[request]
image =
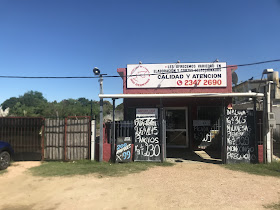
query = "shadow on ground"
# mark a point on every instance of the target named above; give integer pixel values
(184, 155)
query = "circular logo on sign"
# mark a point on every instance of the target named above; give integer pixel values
(179, 82)
(140, 76)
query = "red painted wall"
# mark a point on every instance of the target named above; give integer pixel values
(106, 147)
(228, 89)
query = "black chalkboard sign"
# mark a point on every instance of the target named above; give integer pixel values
(241, 141)
(123, 150)
(147, 142)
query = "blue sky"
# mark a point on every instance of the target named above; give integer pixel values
(70, 38)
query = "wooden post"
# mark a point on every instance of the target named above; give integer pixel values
(65, 138)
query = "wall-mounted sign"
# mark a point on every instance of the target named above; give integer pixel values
(201, 123)
(147, 113)
(123, 153)
(177, 75)
(241, 142)
(147, 142)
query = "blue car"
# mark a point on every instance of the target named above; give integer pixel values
(6, 152)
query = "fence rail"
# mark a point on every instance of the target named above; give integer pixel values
(67, 139)
(54, 139)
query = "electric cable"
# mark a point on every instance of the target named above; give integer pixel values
(115, 76)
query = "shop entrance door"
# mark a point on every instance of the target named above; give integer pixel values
(176, 127)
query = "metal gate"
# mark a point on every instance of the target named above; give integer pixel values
(122, 129)
(67, 139)
(25, 136)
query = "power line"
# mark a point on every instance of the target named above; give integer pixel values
(257, 63)
(23, 77)
(229, 66)
(114, 76)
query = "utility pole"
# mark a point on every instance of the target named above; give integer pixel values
(101, 121)
(96, 71)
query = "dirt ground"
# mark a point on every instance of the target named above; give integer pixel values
(188, 185)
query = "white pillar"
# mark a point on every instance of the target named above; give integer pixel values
(92, 154)
(268, 135)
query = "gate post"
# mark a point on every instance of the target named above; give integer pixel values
(114, 134)
(43, 139)
(255, 129)
(65, 138)
(92, 155)
(224, 134)
(161, 130)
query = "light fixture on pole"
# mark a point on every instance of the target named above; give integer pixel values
(96, 72)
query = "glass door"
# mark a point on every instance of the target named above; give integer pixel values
(176, 127)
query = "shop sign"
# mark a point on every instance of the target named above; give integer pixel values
(201, 123)
(147, 113)
(241, 144)
(123, 150)
(146, 131)
(177, 75)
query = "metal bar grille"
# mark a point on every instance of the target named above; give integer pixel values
(123, 129)
(24, 134)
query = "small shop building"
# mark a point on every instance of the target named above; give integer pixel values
(182, 111)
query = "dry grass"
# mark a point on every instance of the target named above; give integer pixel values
(91, 167)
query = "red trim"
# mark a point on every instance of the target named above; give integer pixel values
(260, 153)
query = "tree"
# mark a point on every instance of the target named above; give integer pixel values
(9, 103)
(84, 101)
(33, 104)
(119, 107)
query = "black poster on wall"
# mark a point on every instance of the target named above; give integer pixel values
(241, 141)
(147, 142)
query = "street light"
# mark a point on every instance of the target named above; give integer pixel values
(96, 72)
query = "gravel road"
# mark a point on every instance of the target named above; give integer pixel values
(190, 185)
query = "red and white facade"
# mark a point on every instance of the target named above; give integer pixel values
(190, 102)
(181, 114)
